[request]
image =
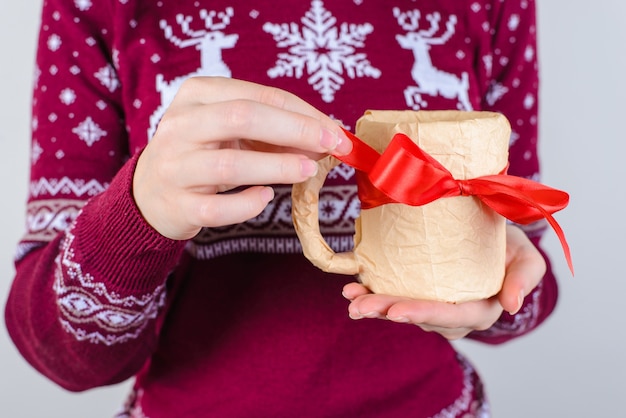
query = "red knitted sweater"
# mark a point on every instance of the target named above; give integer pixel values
(236, 322)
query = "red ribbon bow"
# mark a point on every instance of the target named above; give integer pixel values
(382, 178)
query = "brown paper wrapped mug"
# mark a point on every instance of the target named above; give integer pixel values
(452, 249)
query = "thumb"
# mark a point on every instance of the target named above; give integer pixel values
(512, 295)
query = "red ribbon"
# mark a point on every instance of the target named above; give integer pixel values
(404, 173)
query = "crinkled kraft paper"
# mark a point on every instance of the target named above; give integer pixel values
(452, 249)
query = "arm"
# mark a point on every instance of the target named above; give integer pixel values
(90, 275)
(513, 90)
(106, 229)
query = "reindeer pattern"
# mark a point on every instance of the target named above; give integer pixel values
(212, 40)
(209, 41)
(430, 80)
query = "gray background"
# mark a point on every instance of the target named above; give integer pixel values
(574, 365)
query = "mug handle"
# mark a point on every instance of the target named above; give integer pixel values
(305, 214)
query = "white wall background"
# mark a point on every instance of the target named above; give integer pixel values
(574, 366)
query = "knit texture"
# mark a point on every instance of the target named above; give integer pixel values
(236, 322)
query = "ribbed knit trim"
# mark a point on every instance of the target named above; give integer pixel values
(116, 245)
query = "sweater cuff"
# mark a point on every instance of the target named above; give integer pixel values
(116, 244)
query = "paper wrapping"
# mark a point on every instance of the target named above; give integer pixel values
(452, 249)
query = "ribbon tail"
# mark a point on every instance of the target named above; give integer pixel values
(561, 235)
(507, 192)
(490, 198)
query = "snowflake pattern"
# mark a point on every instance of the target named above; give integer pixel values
(495, 93)
(68, 96)
(529, 101)
(54, 42)
(83, 5)
(36, 151)
(327, 210)
(313, 46)
(529, 53)
(514, 21)
(89, 131)
(322, 49)
(108, 78)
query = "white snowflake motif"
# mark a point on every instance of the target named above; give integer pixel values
(321, 48)
(488, 62)
(108, 78)
(529, 53)
(54, 42)
(496, 92)
(68, 96)
(82, 5)
(36, 76)
(36, 151)
(513, 22)
(529, 101)
(89, 131)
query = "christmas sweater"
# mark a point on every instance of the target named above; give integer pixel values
(236, 322)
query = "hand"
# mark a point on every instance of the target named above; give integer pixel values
(219, 134)
(525, 267)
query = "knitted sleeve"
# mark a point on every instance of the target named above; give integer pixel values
(91, 275)
(512, 88)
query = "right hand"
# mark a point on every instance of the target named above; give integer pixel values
(219, 134)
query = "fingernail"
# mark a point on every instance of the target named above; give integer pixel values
(373, 314)
(267, 194)
(355, 315)
(520, 302)
(344, 145)
(308, 168)
(329, 139)
(400, 319)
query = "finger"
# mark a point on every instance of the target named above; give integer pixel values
(215, 210)
(212, 124)
(525, 269)
(353, 290)
(239, 167)
(474, 315)
(371, 306)
(239, 101)
(208, 90)
(519, 281)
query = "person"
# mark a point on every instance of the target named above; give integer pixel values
(159, 245)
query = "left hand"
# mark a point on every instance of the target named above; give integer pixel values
(525, 267)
